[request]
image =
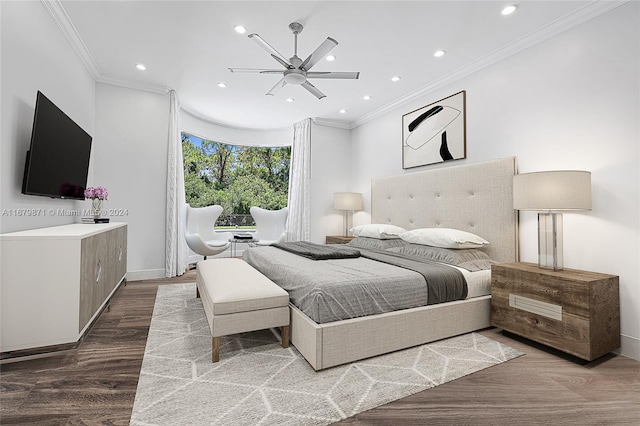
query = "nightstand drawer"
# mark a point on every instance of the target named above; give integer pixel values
(337, 239)
(573, 311)
(534, 306)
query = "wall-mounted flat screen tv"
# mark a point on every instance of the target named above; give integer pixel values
(58, 159)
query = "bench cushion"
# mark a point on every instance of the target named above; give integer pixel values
(235, 286)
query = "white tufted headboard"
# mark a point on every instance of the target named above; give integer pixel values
(476, 197)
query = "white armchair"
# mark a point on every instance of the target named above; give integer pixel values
(199, 232)
(271, 225)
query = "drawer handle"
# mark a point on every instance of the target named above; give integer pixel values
(98, 270)
(119, 253)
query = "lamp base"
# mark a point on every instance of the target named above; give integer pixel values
(550, 241)
(347, 221)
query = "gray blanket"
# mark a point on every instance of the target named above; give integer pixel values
(444, 284)
(318, 251)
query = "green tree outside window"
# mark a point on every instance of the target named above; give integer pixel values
(235, 177)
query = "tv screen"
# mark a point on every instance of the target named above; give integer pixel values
(58, 160)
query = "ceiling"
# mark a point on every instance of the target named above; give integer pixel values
(188, 46)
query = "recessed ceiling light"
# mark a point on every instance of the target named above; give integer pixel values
(439, 53)
(290, 99)
(141, 67)
(366, 97)
(342, 111)
(221, 84)
(508, 10)
(330, 58)
(395, 78)
(240, 29)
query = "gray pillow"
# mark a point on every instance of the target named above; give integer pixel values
(469, 259)
(375, 243)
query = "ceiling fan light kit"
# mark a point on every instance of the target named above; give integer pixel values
(296, 70)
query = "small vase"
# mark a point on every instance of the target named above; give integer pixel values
(96, 204)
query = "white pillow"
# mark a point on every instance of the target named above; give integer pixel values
(378, 230)
(443, 237)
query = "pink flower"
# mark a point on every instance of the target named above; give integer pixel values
(96, 192)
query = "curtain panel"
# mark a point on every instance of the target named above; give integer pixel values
(298, 223)
(176, 254)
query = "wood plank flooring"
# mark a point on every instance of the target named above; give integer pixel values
(96, 384)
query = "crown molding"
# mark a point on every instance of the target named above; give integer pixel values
(138, 85)
(60, 17)
(560, 25)
(331, 123)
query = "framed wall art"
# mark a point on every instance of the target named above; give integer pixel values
(435, 133)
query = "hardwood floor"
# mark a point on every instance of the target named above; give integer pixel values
(96, 384)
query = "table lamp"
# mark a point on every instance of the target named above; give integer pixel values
(550, 192)
(349, 202)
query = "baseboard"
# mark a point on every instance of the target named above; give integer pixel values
(148, 274)
(227, 253)
(154, 274)
(629, 347)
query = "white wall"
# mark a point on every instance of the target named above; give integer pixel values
(571, 102)
(130, 150)
(330, 172)
(35, 56)
(129, 129)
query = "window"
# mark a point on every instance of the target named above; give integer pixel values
(235, 177)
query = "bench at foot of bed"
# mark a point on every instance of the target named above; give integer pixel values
(237, 299)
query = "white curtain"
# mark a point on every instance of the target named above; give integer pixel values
(175, 245)
(298, 223)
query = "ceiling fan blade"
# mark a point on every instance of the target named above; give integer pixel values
(273, 52)
(320, 52)
(320, 74)
(255, 70)
(314, 91)
(279, 85)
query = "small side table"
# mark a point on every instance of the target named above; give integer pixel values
(337, 239)
(234, 241)
(577, 312)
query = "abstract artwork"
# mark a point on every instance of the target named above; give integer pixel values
(435, 133)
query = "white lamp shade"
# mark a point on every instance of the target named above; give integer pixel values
(552, 191)
(347, 201)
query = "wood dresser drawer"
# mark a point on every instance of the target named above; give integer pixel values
(577, 312)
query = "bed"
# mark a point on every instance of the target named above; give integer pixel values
(476, 198)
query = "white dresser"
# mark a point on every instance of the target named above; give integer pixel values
(54, 281)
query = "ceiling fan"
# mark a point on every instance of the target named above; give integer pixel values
(296, 70)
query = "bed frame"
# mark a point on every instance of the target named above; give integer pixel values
(472, 197)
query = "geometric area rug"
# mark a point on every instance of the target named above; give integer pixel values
(258, 382)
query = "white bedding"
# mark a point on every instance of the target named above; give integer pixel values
(478, 282)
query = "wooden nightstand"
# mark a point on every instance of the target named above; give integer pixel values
(577, 312)
(337, 239)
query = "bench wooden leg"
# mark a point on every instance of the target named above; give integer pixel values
(215, 349)
(285, 336)
(197, 293)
